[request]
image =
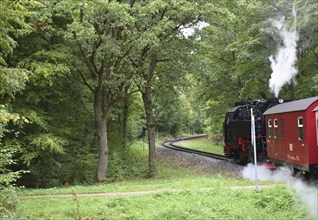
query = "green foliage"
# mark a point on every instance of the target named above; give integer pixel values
(12, 81)
(173, 112)
(7, 178)
(126, 162)
(55, 55)
(136, 123)
(57, 130)
(13, 25)
(233, 55)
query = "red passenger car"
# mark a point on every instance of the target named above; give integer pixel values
(292, 134)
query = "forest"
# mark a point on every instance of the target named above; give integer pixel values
(81, 80)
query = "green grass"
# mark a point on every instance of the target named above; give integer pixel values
(180, 197)
(204, 145)
(277, 203)
(168, 177)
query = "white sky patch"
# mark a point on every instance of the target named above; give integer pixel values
(189, 31)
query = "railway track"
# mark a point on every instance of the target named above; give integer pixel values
(174, 146)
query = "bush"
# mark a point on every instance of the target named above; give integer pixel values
(127, 162)
(7, 178)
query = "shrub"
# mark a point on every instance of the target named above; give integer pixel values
(7, 178)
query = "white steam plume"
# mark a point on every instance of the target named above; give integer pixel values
(307, 194)
(283, 64)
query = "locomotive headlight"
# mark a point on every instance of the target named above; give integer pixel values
(280, 100)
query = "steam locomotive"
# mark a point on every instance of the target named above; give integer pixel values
(286, 133)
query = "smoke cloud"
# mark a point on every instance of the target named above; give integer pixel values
(307, 194)
(283, 64)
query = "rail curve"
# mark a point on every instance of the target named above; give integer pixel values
(172, 144)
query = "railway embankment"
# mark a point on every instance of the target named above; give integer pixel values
(198, 162)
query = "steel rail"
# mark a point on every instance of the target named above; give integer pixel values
(172, 145)
(187, 138)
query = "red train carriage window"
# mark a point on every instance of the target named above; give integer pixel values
(300, 129)
(269, 128)
(275, 128)
(282, 127)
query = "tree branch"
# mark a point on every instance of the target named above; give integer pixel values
(85, 81)
(92, 70)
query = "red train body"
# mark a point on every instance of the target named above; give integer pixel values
(291, 135)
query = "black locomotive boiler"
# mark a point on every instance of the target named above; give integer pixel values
(237, 130)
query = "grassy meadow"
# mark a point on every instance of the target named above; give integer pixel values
(277, 203)
(204, 145)
(179, 193)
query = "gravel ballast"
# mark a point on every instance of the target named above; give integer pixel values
(198, 162)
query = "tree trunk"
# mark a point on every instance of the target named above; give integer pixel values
(151, 130)
(103, 151)
(147, 99)
(101, 124)
(125, 118)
